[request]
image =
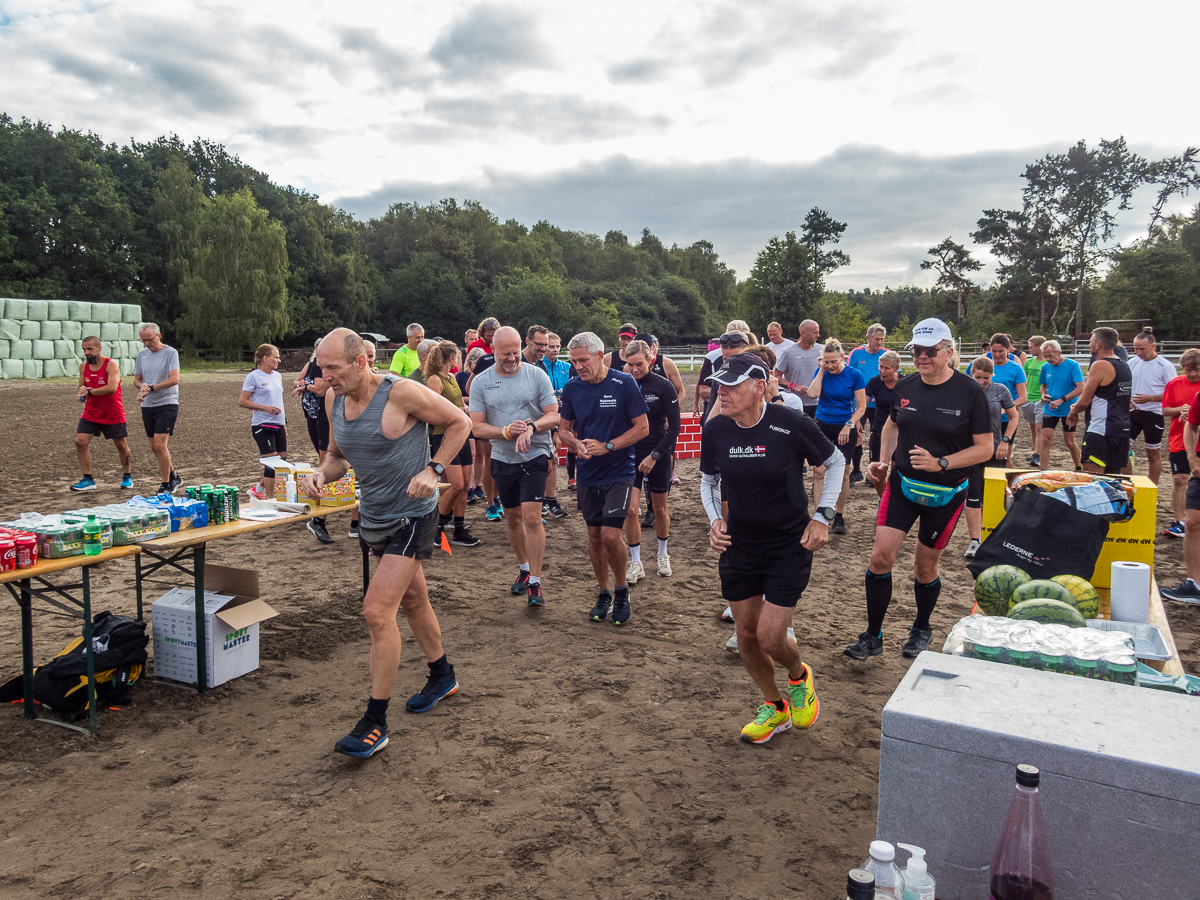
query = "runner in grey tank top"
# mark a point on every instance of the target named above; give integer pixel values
(398, 516)
(382, 467)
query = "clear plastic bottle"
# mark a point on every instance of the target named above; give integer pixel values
(881, 864)
(918, 883)
(860, 885)
(1021, 867)
(92, 537)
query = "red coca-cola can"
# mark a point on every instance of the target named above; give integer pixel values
(27, 556)
(8, 555)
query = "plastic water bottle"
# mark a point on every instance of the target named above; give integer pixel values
(92, 531)
(860, 885)
(881, 864)
(1021, 867)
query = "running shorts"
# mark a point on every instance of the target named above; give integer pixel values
(1051, 421)
(1193, 494)
(1179, 463)
(937, 522)
(1110, 453)
(1032, 412)
(606, 505)
(271, 439)
(160, 419)
(523, 482)
(318, 433)
(1142, 421)
(412, 538)
(659, 479)
(779, 578)
(833, 430)
(464, 457)
(112, 432)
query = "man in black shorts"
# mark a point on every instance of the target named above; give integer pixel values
(103, 413)
(938, 429)
(156, 377)
(758, 450)
(513, 405)
(1106, 397)
(603, 416)
(378, 426)
(651, 458)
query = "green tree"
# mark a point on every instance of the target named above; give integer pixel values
(1159, 279)
(783, 285)
(1030, 271)
(235, 295)
(820, 229)
(1174, 175)
(952, 262)
(525, 298)
(1080, 192)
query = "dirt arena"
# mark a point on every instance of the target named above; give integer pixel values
(577, 759)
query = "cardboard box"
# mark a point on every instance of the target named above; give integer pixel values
(232, 612)
(1120, 776)
(1130, 541)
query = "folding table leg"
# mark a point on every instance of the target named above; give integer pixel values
(89, 650)
(201, 638)
(27, 646)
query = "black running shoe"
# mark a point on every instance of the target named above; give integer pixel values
(856, 478)
(521, 585)
(620, 609)
(366, 739)
(353, 532)
(866, 645)
(839, 524)
(317, 527)
(535, 595)
(174, 483)
(648, 519)
(603, 604)
(555, 509)
(464, 538)
(918, 640)
(436, 687)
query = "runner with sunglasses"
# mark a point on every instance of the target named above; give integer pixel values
(938, 429)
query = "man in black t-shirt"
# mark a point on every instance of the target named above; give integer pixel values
(938, 429)
(766, 539)
(651, 458)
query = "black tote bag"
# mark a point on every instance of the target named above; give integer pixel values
(1044, 537)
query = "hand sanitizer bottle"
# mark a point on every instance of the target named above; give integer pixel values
(918, 883)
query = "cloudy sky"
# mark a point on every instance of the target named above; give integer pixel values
(723, 121)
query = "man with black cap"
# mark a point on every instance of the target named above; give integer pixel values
(616, 359)
(757, 449)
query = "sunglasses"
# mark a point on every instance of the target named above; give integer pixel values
(918, 350)
(731, 340)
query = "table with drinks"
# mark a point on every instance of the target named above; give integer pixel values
(185, 551)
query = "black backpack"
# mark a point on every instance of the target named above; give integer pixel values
(120, 659)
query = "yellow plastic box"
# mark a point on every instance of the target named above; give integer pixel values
(1131, 541)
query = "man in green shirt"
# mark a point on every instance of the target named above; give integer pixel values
(405, 360)
(1031, 412)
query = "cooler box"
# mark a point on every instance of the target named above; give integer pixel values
(1130, 541)
(1120, 777)
(232, 612)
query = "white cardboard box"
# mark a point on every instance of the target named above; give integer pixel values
(232, 612)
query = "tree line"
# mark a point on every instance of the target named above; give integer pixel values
(223, 258)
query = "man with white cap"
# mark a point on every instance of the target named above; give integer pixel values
(939, 428)
(757, 449)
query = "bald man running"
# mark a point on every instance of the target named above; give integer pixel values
(378, 426)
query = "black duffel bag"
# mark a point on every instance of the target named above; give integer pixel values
(1044, 537)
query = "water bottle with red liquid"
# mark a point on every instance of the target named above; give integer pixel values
(1021, 867)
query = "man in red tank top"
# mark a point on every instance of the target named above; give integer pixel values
(103, 413)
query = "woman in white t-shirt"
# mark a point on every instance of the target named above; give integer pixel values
(262, 392)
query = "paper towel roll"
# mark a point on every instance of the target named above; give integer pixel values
(1130, 592)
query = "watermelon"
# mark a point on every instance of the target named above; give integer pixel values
(995, 587)
(1048, 612)
(1087, 600)
(1041, 589)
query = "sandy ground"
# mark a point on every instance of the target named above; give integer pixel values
(577, 759)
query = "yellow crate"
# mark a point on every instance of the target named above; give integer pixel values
(1131, 541)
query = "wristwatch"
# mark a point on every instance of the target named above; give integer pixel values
(609, 447)
(532, 425)
(655, 455)
(825, 514)
(943, 463)
(1006, 439)
(438, 468)
(776, 399)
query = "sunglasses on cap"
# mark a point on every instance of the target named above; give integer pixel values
(918, 350)
(732, 340)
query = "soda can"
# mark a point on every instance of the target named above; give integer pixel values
(8, 555)
(237, 503)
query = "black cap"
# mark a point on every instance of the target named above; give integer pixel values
(645, 336)
(1028, 776)
(860, 885)
(738, 368)
(484, 363)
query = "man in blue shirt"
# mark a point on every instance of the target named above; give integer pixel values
(1062, 381)
(603, 417)
(866, 360)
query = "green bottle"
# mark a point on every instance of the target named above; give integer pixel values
(92, 537)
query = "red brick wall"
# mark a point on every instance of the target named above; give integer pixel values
(687, 447)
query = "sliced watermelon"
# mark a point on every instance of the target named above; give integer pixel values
(1048, 612)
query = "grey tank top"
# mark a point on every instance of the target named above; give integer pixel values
(382, 466)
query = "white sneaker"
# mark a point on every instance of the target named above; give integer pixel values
(635, 572)
(971, 548)
(727, 616)
(664, 564)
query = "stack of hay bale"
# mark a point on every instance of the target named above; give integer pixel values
(40, 338)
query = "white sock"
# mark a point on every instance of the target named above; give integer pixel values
(535, 579)
(635, 551)
(662, 546)
(525, 568)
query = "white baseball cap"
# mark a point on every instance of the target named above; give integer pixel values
(929, 332)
